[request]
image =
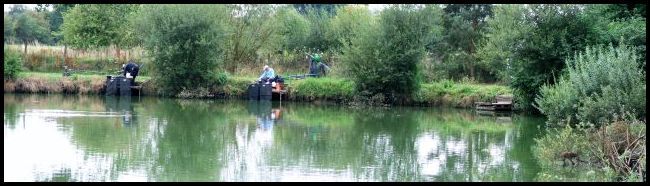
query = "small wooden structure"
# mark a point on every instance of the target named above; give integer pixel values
(279, 90)
(502, 103)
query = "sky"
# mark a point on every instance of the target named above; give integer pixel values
(29, 6)
(376, 7)
(372, 7)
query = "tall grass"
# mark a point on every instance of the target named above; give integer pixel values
(458, 94)
(44, 58)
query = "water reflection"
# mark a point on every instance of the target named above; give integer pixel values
(267, 116)
(123, 106)
(154, 139)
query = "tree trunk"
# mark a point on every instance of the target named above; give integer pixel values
(25, 50)
(65, 54)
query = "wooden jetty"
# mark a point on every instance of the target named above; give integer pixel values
(280, 90)
(502, 103)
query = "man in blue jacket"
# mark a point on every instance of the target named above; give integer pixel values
(267, 75)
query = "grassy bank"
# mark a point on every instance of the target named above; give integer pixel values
(446, 93)
(40, 82)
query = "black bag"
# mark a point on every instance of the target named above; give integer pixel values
(279, 79)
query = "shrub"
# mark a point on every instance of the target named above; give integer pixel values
(385, 61)
(12, 64)
(185, 43)
(620, 145)
(556, 141)
(598, 81)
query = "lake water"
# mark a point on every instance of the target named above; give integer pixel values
(97, 138)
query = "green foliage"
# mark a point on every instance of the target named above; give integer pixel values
(549, 147)
(385, 61)
(458, 94)
(614, 23)
(292, 29)
(454, 53)
(185, 43)
(319, 24)
(9, 28)
(98, 25)
(351, 21)
(503, 30)
(12, 64)
(29, 26)
(556, 32)
(323, 88)
(330, 9)
(599, 80)
(251, 34)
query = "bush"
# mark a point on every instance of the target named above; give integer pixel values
(385, 61)
(598, 81)
(550, 146)
(185, 43)
(12, 64)
(620, 145)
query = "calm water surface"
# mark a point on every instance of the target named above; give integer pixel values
(96, 138)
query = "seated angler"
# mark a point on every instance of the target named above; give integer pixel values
(267, 75)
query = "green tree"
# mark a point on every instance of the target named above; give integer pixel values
(9, 28)
(319, 24)
(29, 26)
(555, 34)
(351, 21)
(98, 25)
(252, 31)
(385, 62)
(185, 42)
(502, 35)
(292, 29)
(615, 23)
(463, 29)
(306, 8)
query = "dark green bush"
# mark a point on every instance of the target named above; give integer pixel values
(185, 42)
(385, 61)
(12, 64)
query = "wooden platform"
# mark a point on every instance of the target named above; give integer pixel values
(502, 103)
(280, 92)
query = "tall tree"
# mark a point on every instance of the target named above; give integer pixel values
(502, 34)
(99, 25)
(464, 26)
(9, 28)
(28, 26)
(252, 31)
(329, 8)
(186, 43)
(556, 33)
(385, 62)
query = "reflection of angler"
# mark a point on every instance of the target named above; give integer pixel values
(265, 121)
(276, 114)
(127, 118)
(123, 107)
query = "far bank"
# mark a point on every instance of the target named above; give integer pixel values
(444, 93)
